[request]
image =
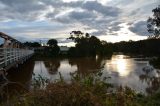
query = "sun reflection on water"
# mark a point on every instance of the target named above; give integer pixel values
(119, 64)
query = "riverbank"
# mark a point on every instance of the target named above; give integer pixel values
(88, 90)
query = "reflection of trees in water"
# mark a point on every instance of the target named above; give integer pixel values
(52, 66)
(22, 74)
(88, 65)
(152, 79)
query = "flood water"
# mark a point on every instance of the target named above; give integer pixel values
(123, 70)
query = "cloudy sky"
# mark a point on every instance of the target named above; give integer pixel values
(110, 20)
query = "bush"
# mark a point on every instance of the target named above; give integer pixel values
(90, 90)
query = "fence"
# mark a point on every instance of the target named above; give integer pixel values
(10, 56)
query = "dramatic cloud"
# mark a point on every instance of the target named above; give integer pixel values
(140, 28)
(28, 10)
(44, 19)
(98, 7)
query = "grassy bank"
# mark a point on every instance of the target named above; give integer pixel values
(90, 90)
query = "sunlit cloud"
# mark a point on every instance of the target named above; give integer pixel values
(110, 20)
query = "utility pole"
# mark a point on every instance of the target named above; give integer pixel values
(40, 41)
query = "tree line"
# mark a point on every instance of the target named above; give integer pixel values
(145, 47)
(87, 45)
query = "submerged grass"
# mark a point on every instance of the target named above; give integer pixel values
(88, 90)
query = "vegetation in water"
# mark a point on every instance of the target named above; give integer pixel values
(155, 62)
(90, 90)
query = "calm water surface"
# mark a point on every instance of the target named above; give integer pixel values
(135, 73)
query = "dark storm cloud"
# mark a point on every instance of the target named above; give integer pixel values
(140, 28)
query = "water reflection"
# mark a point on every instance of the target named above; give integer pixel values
(152, 78)
(52, 66)
(135, 73)
(87, 65)
(51, 69)
(22, 74)
(119, 64)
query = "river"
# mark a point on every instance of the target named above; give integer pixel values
(123, 70)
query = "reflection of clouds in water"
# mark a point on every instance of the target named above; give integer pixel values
(126, 72)
(66, 69)
(123, 70)
(44, 69)
(119, 65)
(40, 68)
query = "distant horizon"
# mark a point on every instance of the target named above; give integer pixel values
(71, 43)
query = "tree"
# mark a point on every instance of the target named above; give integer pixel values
(86, 45)
(52, 42)
(32, 44)
(53, 49)
(76, 36)
(154, 23)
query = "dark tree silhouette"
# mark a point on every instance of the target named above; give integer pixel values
(148, 47)
(154, 23)
(52, 42)
(53, 49)
(76, 36)
(86, 45)
(32, 44)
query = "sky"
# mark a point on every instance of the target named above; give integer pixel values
(110, 20)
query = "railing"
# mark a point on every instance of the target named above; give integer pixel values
(9, 56)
